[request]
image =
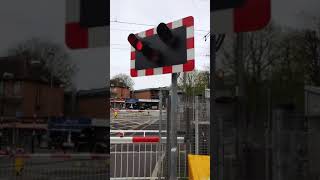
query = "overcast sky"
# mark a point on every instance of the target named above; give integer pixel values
(45, 19)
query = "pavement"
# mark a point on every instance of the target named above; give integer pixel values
(134, 121)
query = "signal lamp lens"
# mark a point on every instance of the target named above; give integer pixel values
(135, 42)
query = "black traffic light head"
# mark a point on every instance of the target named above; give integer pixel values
(164, 49)
(140, 46)
(166, 35)
(135, 42)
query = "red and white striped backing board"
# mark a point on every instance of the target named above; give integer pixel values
(252, 16)
(134, 139)
(188, 22)
(77, 37)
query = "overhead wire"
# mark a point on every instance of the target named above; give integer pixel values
(142, 24)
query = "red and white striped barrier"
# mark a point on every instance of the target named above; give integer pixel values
(134, 139)
(141, 139)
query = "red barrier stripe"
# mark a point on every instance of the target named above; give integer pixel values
(149, 32)
(76, 36)
(145, 139)
(133, 55)
(189, 66)
(190, 43)
(134, 72)
(167, 69)
(149, 72)
(188, 21)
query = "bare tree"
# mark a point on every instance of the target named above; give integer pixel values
(195, 83)
(259, 53)
(122, 80)
(312, 48)
(54, 60)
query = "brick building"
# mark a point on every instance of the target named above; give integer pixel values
(93, 103)
(27, 100)
(119, 92)
(25, 95)
(150, 93)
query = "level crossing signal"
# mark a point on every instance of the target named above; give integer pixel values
(168, 48)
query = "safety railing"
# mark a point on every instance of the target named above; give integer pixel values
(143, 158)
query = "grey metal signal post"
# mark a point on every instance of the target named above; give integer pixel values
(169, 48)
(173, 129)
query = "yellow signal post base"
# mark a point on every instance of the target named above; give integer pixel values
(199, 167)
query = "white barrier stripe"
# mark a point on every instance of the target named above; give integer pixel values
(177, 68)
(157, 71)
(121, 140)
(190, 54)
(132, 64)
(155, 30)
(190, 32)
(142, 34)
(176, 24)
(141, 72)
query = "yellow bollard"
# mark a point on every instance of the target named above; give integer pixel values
(199, 167)
(115, 114)
(19, 164)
